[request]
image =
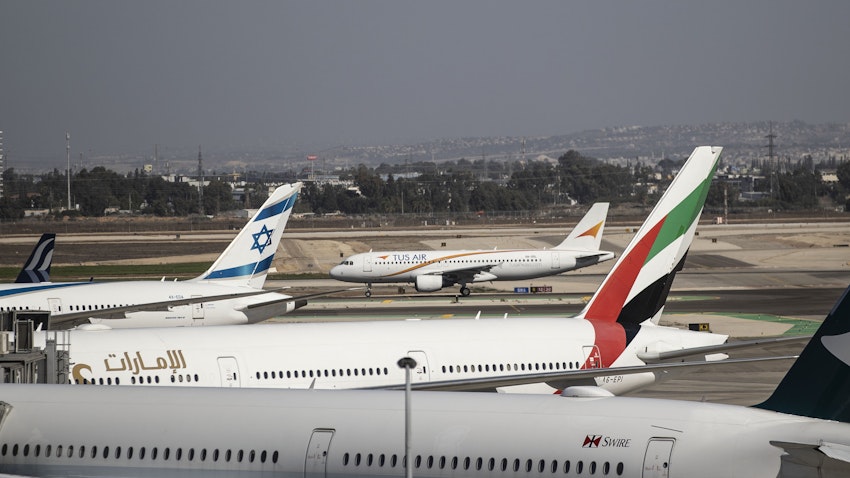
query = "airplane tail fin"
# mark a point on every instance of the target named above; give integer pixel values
(587, 235)
(247, 259)
(637, 286)
(818, 384)
(37, 267)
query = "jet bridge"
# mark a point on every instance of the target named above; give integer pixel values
(21, 360)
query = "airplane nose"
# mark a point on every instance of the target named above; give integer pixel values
(336, 272)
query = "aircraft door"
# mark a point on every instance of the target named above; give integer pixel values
(592, 356)
(367, 263)
(422, 372)
(229, 371)
(556, 260)
(55, 306)
(656, 463)
(197, 312)
(316, 461)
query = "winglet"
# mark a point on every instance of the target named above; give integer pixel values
(247, 259)
(636, 288)
(818, 384)
(37, 267)
(587, 235)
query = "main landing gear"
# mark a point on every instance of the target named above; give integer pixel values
(464, 291)
(369, 290)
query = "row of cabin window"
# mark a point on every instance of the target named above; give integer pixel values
(326, 373)
(460, 261)
(504, 464)
(70, 307)
(252, 455)
(134, 380)
(509, 367)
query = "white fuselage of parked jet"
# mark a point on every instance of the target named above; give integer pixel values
(364, 354)
(62, 298)
(508, 264)
(91, 431)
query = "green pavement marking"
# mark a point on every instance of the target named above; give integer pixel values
(799, 326)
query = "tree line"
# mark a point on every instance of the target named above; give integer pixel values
(425, 188)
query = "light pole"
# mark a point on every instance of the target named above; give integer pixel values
(407, 363)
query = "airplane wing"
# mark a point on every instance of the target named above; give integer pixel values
(657, 357)
(72, 319)
(463, 274)
(823, 459)
(565, 377)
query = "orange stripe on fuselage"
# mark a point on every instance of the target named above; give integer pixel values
(445, 258)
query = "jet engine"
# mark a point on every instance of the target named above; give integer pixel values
(429, 283)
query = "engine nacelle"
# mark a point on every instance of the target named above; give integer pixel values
(429, 283)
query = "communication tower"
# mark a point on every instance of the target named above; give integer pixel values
(68, 157)
(200, 181)
(2, 164)
(770, 155)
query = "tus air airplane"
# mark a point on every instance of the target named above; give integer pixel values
(616, 329)
(229, 292)
(37, 267)
(802, 430)
(430, 271)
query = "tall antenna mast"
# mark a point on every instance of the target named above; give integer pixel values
(68, 157)
(200, 181)
(1, 164)
(770, 155)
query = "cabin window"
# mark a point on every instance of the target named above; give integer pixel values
(227, 455)
(393, 461)
(70, 451)
(178, 454)
(166, 453)
(541, 466)
(117, 452)
(430, 462)
(26, 450)
(491, 464)
(369, 459)
(274, 456)
(239, 456)
(504, 464)
(58, 451)
(416, 463)
(579, 467)
(619, 468)
(130, 453)
(37, 450)
(142, 453)
(153, 453)
(345, 459)
(203, 454)
(357, 459)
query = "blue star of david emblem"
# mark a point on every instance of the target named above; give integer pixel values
(260, 242)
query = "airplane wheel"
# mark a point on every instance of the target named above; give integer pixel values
(368, 293)
(464, 291)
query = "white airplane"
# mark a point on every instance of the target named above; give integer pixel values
(430, 271)
(802, 430)
(37, 268)
(229, 292)
(615, 330)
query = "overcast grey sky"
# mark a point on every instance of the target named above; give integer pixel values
(251, 75)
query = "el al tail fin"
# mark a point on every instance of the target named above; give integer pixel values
(587, 235)
(37, 267)
(247, 259)
(637, 286)
(818, 384)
